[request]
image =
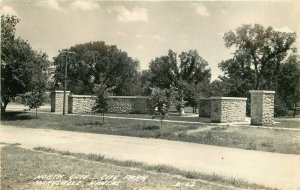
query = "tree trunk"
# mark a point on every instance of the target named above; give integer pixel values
(3, 107)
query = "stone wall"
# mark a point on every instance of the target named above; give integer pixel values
(116, 104)
(57, 98)
(204, 107)
(228, 109)
(128, 104)
(262, 107)
(81, 103)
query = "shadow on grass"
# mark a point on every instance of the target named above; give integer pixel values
(13, 116)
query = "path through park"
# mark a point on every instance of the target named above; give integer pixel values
(271, 169)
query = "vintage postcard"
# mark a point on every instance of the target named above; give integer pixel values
(150, 95)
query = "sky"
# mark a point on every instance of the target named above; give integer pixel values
(147, 29)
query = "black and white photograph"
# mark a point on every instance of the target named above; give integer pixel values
(150, 95)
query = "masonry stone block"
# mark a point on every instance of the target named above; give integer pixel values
(116, 104)
(57, 98)
(262, 107)
(228, 109)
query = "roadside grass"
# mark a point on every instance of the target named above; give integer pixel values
(21, 166)
(287, 123)
(172, 117)
(270, 140)
(159, 169)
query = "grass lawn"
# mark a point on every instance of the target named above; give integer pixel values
(287, 122)
(282, 141)
(26, 169)
(172, 117)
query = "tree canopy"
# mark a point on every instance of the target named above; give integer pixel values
(260, 49)
(20, 64)
(261, 56)
(189, 74)
(97, 63)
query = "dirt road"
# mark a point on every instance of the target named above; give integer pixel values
(271, 169)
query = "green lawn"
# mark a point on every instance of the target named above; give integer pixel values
(172, 117)
(20, 169)
(282, 141)
(287, 122)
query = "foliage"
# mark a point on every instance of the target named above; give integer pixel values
(97, 63)
(259, 62)
(261, 50)
(164, 71)
(160, 103)
(21, 66)
(188, 76)
(280, 108)
(288, 83)
(102, 93)
(144, 85)
(34, 97)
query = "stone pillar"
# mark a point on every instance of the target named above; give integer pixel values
(262, 107)
(57, 99)
(228, 109)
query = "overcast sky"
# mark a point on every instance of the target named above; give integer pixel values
(147, 29)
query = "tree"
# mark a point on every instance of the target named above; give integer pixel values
(218, 87)
(160, 104)
(261, 49)
(97, 63)
(34, 97)
(259, 55)
(164, 71)
(194, 76)
(20, 64)
(238, 77)
(289, 82)
(188, 75)
(144, 86)
(8, 28)
(102, 93)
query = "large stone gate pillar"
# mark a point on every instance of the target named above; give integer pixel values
(262, 107)
(57, 99)
(228, 109)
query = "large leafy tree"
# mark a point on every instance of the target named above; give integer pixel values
(258, 62)
(34, 97)
(164, 71)
(261, 49)
(97, 63)
(188, 73)
(20, 64)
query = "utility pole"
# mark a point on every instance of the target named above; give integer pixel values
(65, 79)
